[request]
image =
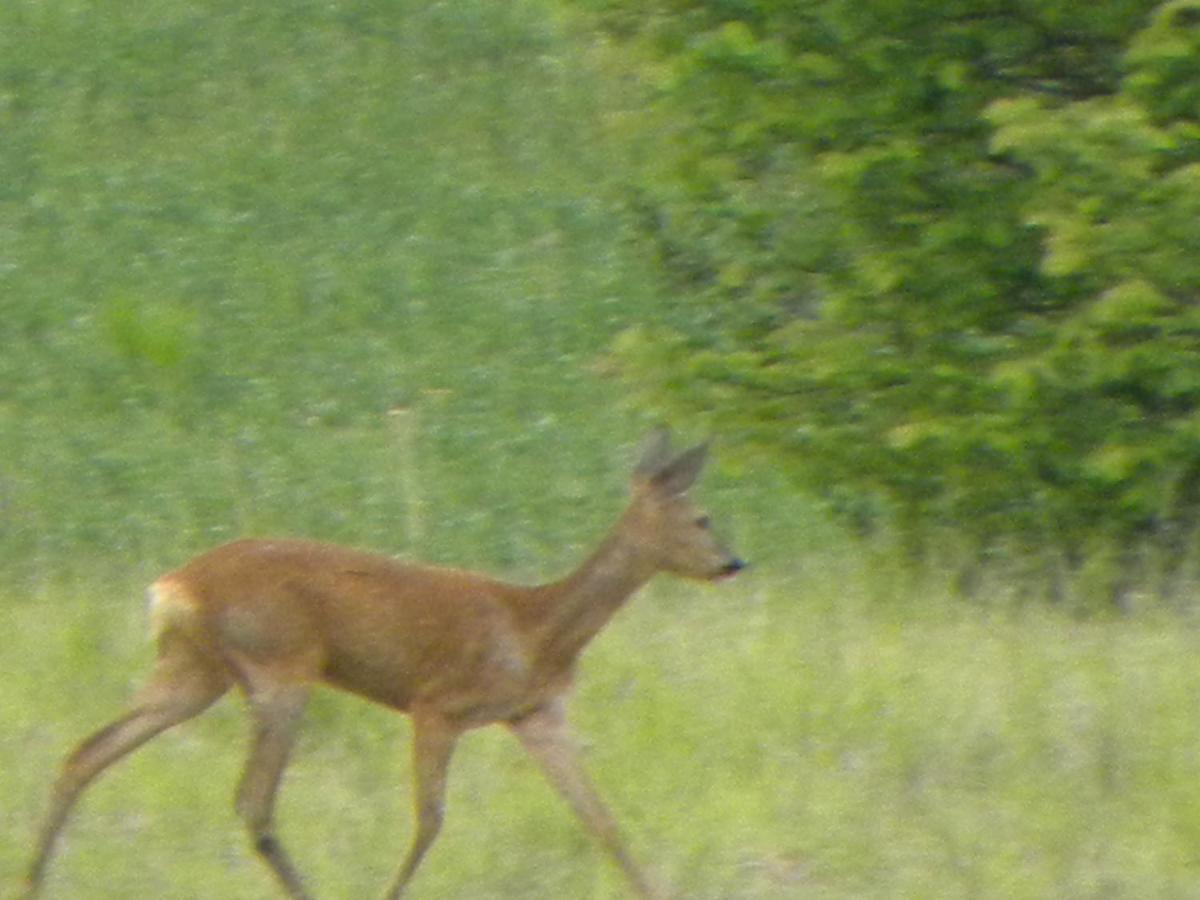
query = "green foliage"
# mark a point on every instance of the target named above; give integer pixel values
(940, 258)
(1118, 212)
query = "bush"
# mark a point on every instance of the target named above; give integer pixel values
(936, 258)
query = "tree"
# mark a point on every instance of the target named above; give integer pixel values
(939, 258)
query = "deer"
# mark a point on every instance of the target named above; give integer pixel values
(453, 649)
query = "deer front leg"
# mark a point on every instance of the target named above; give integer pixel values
(433, 745)
(277, 712)
(547, 737)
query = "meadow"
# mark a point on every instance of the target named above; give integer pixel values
(349, 270)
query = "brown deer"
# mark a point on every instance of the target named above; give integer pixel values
(454, 649)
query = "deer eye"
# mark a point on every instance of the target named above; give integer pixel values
(703, 522)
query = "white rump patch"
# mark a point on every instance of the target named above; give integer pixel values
(169, 606)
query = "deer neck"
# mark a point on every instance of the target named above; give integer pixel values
(575, 609)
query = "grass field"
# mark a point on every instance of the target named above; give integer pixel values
(348, 270)
(784, 737)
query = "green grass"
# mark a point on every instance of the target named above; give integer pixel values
(236, 241)
(347, 269)
(785, 736)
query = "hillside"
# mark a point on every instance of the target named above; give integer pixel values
(323, 270)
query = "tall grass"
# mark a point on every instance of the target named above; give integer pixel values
(786, 738)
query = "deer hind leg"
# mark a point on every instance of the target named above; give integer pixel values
(276, 708)
(182, 685)
(547, 737)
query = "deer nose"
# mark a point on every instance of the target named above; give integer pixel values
(734, 566)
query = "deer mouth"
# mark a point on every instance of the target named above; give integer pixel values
(729, 570)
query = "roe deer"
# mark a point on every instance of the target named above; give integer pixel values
(454, 649)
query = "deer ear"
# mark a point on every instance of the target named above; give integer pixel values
(655, 454)
(681, 473)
